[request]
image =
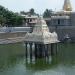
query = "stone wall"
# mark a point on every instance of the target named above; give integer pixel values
(72, 17)
(12, 35)
(62, 31)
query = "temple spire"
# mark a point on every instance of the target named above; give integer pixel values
(67, 6)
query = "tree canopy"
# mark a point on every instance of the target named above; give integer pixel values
(47, 13)
(9, 18)
(30, 12)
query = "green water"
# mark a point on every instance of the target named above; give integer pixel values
(12, 61)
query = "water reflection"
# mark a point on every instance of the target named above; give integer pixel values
(66, 53)
(65, 56)
(12, 61)
(10, 54)
(41, 64)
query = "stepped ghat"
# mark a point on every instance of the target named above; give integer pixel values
(43, 41)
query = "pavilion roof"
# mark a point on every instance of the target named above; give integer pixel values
(41, 34)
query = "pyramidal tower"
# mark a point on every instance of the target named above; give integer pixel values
(67, 5)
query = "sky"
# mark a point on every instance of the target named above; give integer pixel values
(38, 5)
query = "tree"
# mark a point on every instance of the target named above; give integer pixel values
(32, 12)
(47, 13)
(2, 20)
(23, 13)
(9, 18)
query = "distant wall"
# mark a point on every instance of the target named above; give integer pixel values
(12, 32)
(62, 31)
(12, 35)
(72, 17)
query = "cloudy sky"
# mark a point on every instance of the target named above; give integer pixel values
(38, 5)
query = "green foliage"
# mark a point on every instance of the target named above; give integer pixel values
(24, 13)
(47, 13)
(2, 20)
(9, 18)
(30, 12)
